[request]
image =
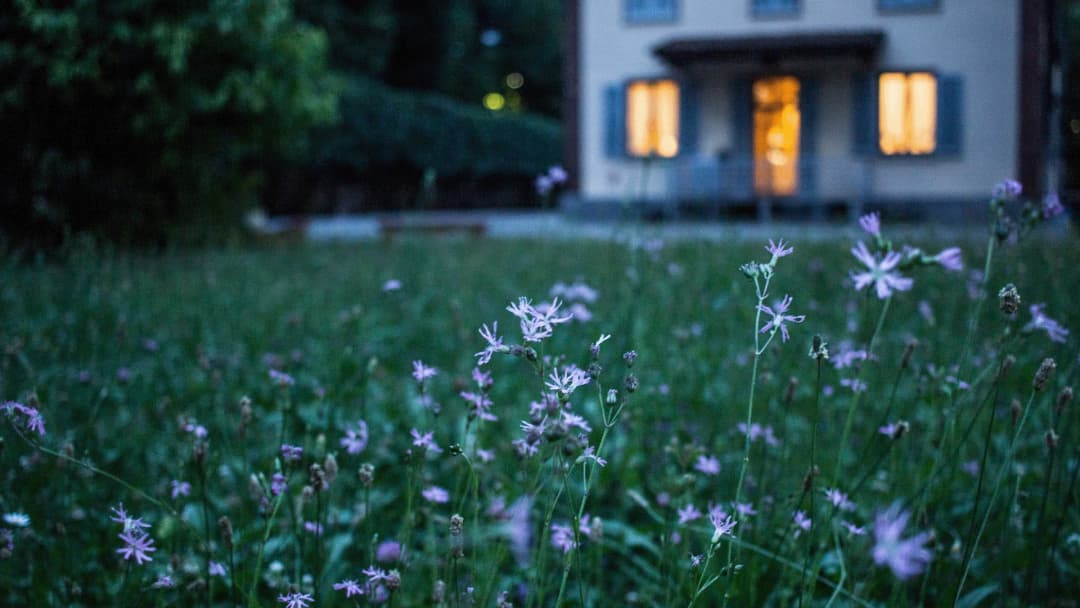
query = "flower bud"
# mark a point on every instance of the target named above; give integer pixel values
(1009, 299)
(612, 396)
(367, 474)
(1014, 410)
(226, 530)
(629, 357)
(1051, 439)
(909, 349)
(393, 580)
(1065, 397)
(789, 394)
(1042, 376)
(631, 383)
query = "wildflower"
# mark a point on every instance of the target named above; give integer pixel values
(216, 569)
(590, 454)
(164, 582)
(881, 274)
(802, 521)
(481, 405)
(436, 494)
(482, 378)
(281, 379)
(543, 185)
(179, 488)
(422, 372)
(839, 499)
(905, 557)
(388, 551)
(779, 318)
(120, 516)
(312, 527)
(495, 343)
(291, 453)
(594, 348)
(1042, 375)
(745, 509)
(971, 467)
(708, 465)
(137, 544)
(375, 575)
(572, 420)
(852, 529)
(856, 385)
(695, 560)
(894, 430)
(1051, 206)
(34, 420)
(562, 538)
(778, 250)
(296, 600)
(722, 526)
(355, 440)
(871, 223)
(569, 380)
(1039, 320)
(688, 514)
(950, 259)
(17, 519)
(536, 325)
(350, 587)
(1008, 189)
(1009, 299)
(629, 357)
(819, 349)
(425, 441)
(278, 483)
(391, 285)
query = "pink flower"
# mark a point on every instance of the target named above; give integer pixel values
(350, 587)
(562, 537)
(1007, 189)
(905, 557)
(422, 372)
(839, 499)
(778, 249)
(950, 259)
(722, 525)
(779, 318)
(426, 441)
(494, 343)
(296, 600)
(355, 440)
(163, 582)
(688, 514)
(880, 274)
(1039, 320)
(388, 551)
(137, 545)
(179, 488)
(34, 421)
(802, 522)
(391, 285)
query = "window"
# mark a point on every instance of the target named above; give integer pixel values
(907, 113)
(907, 5)
(774, 8)
(652, 118)
(650, 11)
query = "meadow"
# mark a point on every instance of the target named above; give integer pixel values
(310, 425)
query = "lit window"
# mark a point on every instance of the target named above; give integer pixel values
(907, 112)
(652, 118)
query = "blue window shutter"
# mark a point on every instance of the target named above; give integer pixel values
(742, 132)
(864, 113)
(808, 159)
(650, 11)
(689, 118)
(950, 118)
(615, 120)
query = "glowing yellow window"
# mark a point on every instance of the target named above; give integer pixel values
(652, 118)
(907, 112)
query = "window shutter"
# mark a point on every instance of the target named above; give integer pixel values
(615, 121)
(742, 145)
(864, 112)
(950, 109)
(808, 128)
(689, 118)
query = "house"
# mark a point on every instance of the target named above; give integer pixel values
(921, 105)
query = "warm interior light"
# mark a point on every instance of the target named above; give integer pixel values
(907, 113)
(776, 135)
(652, 118)
(494, 101)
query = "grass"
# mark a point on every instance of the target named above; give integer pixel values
(197, 331)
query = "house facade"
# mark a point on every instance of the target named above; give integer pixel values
(675, 104)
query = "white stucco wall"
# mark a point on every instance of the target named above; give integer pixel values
(975, 38)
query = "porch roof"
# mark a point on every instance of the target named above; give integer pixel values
(767, 48)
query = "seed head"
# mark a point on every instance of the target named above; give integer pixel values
(1014, 409)
(1051, 440)
(629, 357)
(1065, 397)
(226, 530)
(367, 474)
(612, 396)
(909, 349)
(789, 394)
(819, 349)
(1007, 364)
(631, 383)
(1046, 369)
(393, 580)
(1009, 299)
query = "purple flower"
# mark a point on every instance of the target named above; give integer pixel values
(422, 372)
(350, 587)
(494, 343)
(1007, 189)
(123, 375)
(569, 380)
(688, 514)
(905, 557)
(278, 483)
(536, 324)
(388, 551)
(355, 440)
(722, 524)
(708, 465)
(281, 378)
(137, 545)
(779, 317)
(312, 527)
(856, 385)
(291, 453)
(163, 582)
(1039, 320)
(950, 259)
(425, 441)
(802, 522)
(778, 249)
(853, 529)
(894, 429)
(880, 274)
(871, 223)
(1051, 206)
(120, 516)
(839, 499)
(296, 600)
(34, 420)
(562, 537)
(557, 174)
(374, 575)
(179, 488)
(745, 509)
(481, 405)
(391, 285)
(435, 494)
(482, 378)
(216, 569)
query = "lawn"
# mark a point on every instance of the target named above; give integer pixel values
(180, 385)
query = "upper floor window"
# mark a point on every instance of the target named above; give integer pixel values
(652, 118)
(772, 8)
(907, 5)
(907, 113)
(651, 11)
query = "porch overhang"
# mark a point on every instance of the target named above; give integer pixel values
(862, 44)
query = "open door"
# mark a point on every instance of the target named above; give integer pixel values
(777, 125)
